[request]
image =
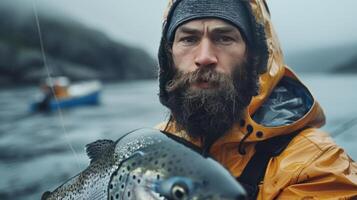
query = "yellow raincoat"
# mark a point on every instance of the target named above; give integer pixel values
(312, 166)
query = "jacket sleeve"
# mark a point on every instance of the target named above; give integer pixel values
(332, 175)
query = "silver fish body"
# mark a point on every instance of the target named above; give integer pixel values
(148, 165)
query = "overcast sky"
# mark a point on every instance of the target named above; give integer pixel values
(300, 24)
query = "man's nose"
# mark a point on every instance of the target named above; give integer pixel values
(206, 56)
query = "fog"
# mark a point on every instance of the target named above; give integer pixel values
(300, 25)
(314, 23)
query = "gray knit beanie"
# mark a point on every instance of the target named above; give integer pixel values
(232, 11)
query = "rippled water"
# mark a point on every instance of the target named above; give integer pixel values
(37, 150)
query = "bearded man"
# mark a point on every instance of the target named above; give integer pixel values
(231, 96)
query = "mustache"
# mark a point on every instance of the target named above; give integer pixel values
(208, 75)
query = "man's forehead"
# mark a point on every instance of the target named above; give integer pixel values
(208, 23)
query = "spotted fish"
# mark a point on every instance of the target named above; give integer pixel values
(147, 164)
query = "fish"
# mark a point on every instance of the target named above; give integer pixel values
(148, 164)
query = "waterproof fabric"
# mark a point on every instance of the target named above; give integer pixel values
(288, 102)
(312, 166)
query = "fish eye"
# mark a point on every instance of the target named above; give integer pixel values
(179, 192)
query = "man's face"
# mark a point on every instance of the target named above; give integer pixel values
(212, 84)
(208, 43)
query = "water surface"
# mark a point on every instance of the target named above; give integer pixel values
(40, 151)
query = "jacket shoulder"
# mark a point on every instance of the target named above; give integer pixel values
(307, 146)
(312, 162)
(315, 137)
(305, 149)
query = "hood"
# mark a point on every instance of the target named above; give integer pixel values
(283, 104)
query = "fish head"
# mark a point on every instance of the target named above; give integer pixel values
(210, 183)
(169, 170)
(193, 176)
(185, 188)
(176, 188)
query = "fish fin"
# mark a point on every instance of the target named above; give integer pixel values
(96, 149)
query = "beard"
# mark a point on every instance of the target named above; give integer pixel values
(209, 113)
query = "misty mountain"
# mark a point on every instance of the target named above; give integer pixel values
(70, 49)
(348, 67)
(323, 59)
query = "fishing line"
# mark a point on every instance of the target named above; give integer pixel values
(60, 114)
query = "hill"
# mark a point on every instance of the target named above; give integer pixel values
(326, 59)
(71, 49)
(348, 67)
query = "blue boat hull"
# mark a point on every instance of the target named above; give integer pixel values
(89, 99)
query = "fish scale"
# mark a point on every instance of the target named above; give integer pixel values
(146, 164)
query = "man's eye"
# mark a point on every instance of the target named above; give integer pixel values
(189, 40)
(225, 39)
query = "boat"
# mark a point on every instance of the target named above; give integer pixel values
(59, 94)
